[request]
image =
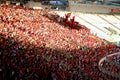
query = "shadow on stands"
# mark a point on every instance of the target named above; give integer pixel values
(26, 61)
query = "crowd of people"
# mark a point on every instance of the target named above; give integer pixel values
(110, 68)
(34, 45)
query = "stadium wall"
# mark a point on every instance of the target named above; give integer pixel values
(92, 8)
(85, 8)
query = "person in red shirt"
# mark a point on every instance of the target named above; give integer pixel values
(67, 16)
(72, 22)
(66, 19)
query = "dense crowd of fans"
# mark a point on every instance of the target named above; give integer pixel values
(35, 45)
(110, 65)
(110, 69)
(116, 58)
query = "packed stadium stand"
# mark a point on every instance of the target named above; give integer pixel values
(38, 42)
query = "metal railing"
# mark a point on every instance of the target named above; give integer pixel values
(104, 70)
